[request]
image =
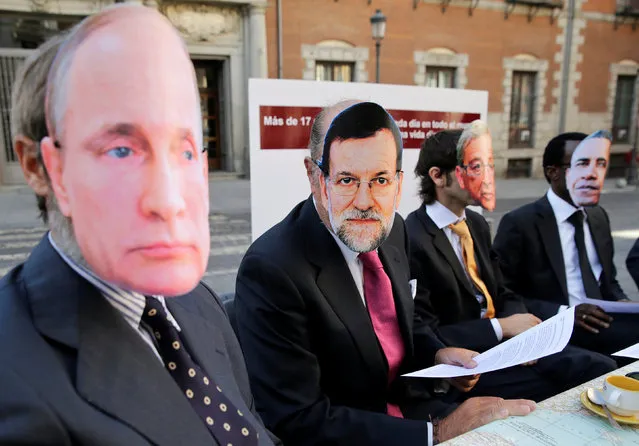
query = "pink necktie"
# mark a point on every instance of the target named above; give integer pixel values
(378, 293)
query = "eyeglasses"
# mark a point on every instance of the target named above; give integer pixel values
(379, 186)
(476, 169)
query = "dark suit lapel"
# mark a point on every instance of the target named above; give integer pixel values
(442, 244)
(115, 370)
(203, 341)
(549, 237)
(336, 283)
(404, 305)
(118, 373)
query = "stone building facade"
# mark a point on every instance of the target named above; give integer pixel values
(226, 40)
(548, 65)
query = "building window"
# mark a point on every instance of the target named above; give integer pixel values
(441, 68)
(440, 77)
(519, 168)
(334, 71)
(522, 109)
(334, 60)
(622, 115)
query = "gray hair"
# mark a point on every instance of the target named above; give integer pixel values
(27, 107)
(58, 79)
(473, 131)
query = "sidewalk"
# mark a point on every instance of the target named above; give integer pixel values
(231, 196)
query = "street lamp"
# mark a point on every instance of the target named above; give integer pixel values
(378, 28)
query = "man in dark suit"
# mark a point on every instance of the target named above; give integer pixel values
(555, 254)
(459, 288)
(325, 310)
(632, 262)
(112, 338)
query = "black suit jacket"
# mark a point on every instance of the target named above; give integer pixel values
(445, 295)
(532, 262)
(317, 370)
(75, 372)
(632, 262)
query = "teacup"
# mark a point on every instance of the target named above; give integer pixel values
(621, 395)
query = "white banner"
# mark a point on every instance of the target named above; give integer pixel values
(280, 115)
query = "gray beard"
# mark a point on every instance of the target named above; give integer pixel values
(353, 246)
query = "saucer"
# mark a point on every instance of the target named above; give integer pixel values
(595, 408)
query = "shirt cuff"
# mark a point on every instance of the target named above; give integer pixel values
(562, 308)
(430, 433)
(497, 327)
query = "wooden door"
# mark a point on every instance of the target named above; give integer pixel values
(208, 73)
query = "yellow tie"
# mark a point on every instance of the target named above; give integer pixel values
(461, 229)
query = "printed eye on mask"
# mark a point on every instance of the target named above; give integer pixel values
(475, 170)
(588, 166)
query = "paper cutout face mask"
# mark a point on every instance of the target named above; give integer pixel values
(588, 166)
(475, 169)
(362, 178)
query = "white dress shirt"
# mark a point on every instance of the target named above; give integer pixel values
(128, 303)
(443, 217)
(354, 265)
(563, 210)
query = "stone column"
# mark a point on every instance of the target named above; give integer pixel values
(257, 41)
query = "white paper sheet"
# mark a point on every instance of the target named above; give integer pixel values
(629, 352)
(547, 338)
(610, 306)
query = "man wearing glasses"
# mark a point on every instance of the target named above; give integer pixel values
(325, 309)
(476, 167)
(459, 288)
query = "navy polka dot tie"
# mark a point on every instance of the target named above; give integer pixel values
(225, 422)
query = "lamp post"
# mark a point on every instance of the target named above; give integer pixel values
(378, 28)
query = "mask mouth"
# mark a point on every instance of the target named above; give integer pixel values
(589, 187)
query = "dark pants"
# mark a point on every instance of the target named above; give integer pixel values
(623, 332)
(550, 376)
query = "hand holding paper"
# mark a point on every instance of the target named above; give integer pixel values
(611, 306)
(459, 357)
(547, 338)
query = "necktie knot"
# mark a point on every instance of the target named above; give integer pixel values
(371, 260)
(156, 316)
(461, 229)
(577, 218)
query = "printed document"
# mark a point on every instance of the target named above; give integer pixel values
(547, 338)
(611, 306)
(629, 352)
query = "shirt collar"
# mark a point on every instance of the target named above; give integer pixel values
(128, 303)
(442, 216)
(560, 207)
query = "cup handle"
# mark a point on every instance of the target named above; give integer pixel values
(613, 397)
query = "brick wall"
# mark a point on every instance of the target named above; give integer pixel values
(485, 42)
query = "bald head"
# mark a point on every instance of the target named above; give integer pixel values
(112, 43)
